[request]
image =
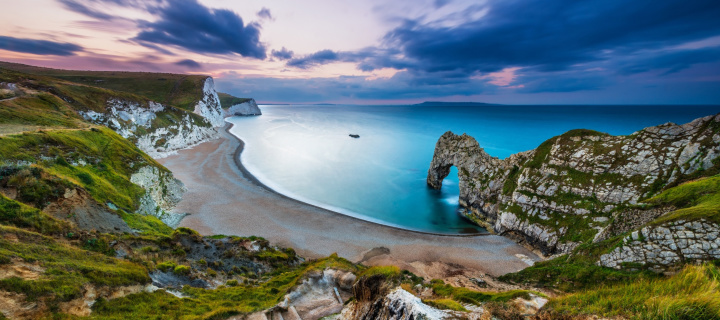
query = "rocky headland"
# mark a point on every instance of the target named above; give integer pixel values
(586, 186)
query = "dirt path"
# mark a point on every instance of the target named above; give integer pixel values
(221, 200)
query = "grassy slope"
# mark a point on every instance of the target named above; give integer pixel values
(694, 293)
(110, 160)
(633, 293)
(214, 304)
(23, 237)
(699, 199)
(179, 90)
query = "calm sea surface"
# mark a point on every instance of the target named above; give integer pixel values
(305, 152)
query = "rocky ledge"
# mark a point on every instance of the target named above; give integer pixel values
(579, 185)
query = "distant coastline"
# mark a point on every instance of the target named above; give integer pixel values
(454, 104)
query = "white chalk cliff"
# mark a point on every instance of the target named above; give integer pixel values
(161, 130)
(578, 186)
(247, 108)
(209, 106)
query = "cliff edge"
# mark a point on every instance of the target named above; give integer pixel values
(579, 187)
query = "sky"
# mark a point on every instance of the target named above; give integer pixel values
(389, 52)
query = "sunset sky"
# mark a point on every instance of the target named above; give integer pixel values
(375, 52)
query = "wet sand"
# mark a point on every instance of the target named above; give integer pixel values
(223, 198)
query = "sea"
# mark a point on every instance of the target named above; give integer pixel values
(305, 151)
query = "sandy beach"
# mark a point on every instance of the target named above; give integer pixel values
(223, 198)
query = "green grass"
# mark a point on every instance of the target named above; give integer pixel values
(42, 110)
(13, 213)
(227, 100)
(699, 199)
(389, 272)
(577, 271)
(694, 293)
(466, 295)
(445, 304)
(180, 90)
(111, 161)
(67, 268)
(213, 304)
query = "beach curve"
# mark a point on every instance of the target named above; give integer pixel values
(225, 198)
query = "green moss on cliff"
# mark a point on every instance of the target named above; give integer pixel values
(699, 199)
(576, 271)
(13, 213)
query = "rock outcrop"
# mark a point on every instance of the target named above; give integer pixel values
(673, 243)
(156, 129)
(247, 108)
(162, 193)
(573, 185)
(397, 305)
(209, 106)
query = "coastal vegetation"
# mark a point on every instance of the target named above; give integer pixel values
(693, 293)
(50, 156)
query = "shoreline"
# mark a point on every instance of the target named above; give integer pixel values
(222, 199)
(249, 176)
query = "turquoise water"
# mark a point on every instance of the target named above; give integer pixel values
(305, 152)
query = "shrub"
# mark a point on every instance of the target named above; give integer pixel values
(85, 178)
(181, 270)
(166, 266)
(211, 273)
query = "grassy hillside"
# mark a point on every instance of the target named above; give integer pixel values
(694, 293)
(178, 90)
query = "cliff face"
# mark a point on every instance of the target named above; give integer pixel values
(162, 193)
(161, 130)
(247, 108)
(156, 129)
(578, 184)
(208, 106)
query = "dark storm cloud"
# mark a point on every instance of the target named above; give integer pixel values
(543, 37)
(282, 54)
(185, 24)
(317, 58)
(265, 13)
(194, 27)
(555, 35)
(41, 47)
(78, 7)
(671, 62)
(189, 63)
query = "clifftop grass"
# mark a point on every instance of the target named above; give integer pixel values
(179, 90)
